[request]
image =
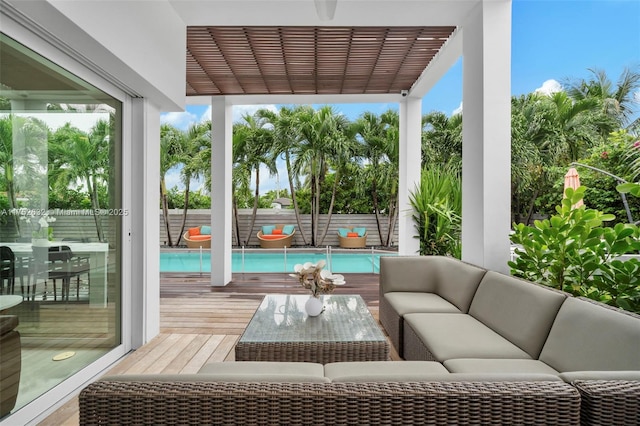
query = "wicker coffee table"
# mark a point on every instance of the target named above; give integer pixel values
(280, 330)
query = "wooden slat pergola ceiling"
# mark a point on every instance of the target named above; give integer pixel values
(308, 60)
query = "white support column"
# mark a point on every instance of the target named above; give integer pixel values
(410, 168)
(221, 164)
(145, 222)
(486, 147)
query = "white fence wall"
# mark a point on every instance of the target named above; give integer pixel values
(283, 216)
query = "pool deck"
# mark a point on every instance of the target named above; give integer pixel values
(200, 323)
(257, 285)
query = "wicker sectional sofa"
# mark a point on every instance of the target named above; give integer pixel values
(475, 321)
(362, 393)
(479, 348)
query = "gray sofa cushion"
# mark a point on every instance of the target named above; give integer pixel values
(451, 377)
(496, 366)
(404, 302)
(452, 279)
(449, 336)
(263, 367)
(264, 371)
(600, 375)
(587, 336)
(416, 371)
(518, 310)
(229, 378)
(381, 370)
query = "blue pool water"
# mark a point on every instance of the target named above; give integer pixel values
(272, 261)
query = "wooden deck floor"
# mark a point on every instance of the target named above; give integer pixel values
(200, 323)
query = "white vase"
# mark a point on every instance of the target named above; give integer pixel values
(314, 306)
(40, 242)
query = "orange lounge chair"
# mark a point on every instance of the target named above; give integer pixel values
(196, 238)
(352, 237)
(278, 236)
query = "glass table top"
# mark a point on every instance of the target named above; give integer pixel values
(281, 318)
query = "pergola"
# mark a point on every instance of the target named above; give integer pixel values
(288, 52)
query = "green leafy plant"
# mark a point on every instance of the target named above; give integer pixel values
(631, 188)
(619, 284)
(572, 251)
(437, 205)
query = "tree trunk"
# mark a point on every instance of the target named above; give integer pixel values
(95, 204)
(165, 210)
(13, 204)
(255, 207)
(374, 198)
(313, 209)
(333, 198)
(393, 217)
(184, 210)
(234, 202)
(294, 200)
(531, 207)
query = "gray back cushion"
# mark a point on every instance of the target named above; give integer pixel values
(588, 336)
(450, 278)
(518, 310)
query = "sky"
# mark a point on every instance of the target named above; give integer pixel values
(553, 41)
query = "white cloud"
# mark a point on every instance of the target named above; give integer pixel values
(180, 120)
(457, 110)
(240, 110)
(206, 115)
(549, 87)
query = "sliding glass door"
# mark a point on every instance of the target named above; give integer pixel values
(60, 224)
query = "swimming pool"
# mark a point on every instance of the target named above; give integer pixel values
(261, 261)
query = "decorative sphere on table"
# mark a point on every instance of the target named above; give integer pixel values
(314, 306)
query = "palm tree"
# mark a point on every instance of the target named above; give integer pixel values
(573, 124)
(256, 140)
(197, 139)
(240, 176)
(27, 131)
(370, 129)
(392, 169)
(380, 148)
(617, 102)
(88, 163)
(530, 156)
(343, 155)
(442, 139)
(320, 138)
(285, 138)
(170, 139)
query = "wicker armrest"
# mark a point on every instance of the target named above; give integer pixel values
(609, 402)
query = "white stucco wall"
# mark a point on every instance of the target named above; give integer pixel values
(139, 45)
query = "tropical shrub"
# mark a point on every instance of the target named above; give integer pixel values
(437, 208)
(605, 167)
(572, 251)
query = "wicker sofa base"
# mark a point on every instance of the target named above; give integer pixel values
(320, 352)
(252, 403)
(609, 402)
(392, 323)
(414, 349)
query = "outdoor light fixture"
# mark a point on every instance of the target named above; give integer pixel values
(325, 9)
